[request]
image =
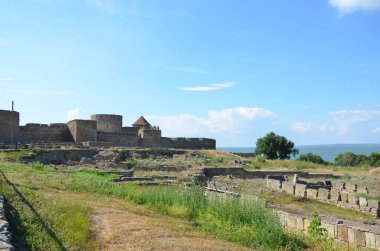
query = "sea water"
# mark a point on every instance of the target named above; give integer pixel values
(327, 152)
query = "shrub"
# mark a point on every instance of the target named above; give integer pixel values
(310, 157)
(348, 159)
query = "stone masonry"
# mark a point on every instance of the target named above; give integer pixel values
(339, 194)
(5, 235)
(99, 130)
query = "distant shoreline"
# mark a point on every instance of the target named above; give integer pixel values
(327, 151)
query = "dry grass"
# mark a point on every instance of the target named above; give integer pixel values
(219, 154)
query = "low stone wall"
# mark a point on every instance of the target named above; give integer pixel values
(340, 194)
(239, 172)
(359, 234)
(58, 157)
(5, 235)
(188, 143)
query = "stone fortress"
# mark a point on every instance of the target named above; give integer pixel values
(99, 130)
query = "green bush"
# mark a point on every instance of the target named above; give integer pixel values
(352, 159)
(314, 158)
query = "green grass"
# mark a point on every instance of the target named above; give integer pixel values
(251, 224)
(42, 223)
(370, 197)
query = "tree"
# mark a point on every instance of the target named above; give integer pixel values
(274, 146)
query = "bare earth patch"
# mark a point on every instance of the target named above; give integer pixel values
(121, 229)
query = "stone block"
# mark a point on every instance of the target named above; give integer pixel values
(338, 186)
(342, 232)
(291, 221)
(282, 218)
(363, 203)
(353, 199)
(323, 194)
(362, 190)
(351, 187)
(330, 229)
(300, 224)
(374, 204)
(288, 187)
(300, 190)
(375, 212)
(377, 240)
(370, 241)
(306, 224)
(335, 196)
(274, 184)
(312, 193)
(351, 235)
(344, 197)
(360, 237)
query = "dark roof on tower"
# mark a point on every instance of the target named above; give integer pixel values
(141, 122)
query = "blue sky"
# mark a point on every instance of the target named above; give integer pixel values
(229, 70)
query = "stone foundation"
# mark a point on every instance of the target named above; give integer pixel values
(359, 234)
(340, 194)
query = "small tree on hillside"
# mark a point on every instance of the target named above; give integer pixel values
(274, 146)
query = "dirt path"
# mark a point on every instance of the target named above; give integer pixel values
(121, 229)
(121, 225)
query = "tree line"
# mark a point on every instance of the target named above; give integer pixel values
(273, 146)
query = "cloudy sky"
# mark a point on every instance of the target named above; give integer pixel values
(229, 70)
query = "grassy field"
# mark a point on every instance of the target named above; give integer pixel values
(40, 220)
(71, 208)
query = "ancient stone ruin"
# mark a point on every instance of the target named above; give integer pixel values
(346, 195)
(99, 130)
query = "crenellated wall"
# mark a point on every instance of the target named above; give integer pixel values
(108, 122)
(101, 129)
(150, 138)
(83, 130)
(188, 143)
(119, 139)
(34, 133)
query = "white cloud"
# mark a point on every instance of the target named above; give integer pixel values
(189, 70)
(75, 113)
(223, 121)
(210, 87)
(341, 122)
(301, 127)
(348, 6)
(355, 116)
(376, 130)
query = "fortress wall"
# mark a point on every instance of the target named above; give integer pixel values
(31, 133)
(132, 131)
(108, 122)
(6, 119)
(150, 138)
(120, 139)
(82, 130)
(188, 143)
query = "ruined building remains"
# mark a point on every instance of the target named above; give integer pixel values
(100, 129)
